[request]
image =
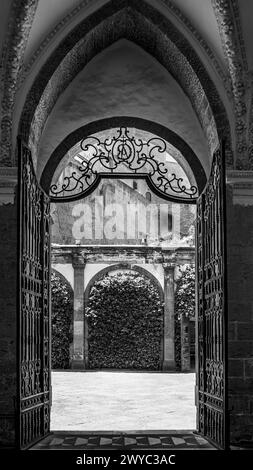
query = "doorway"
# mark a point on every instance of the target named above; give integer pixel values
(210, 328)
(130, 342)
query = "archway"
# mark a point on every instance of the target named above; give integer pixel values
(140, 279)
(125, 318)
(146, 26)
(212, 374)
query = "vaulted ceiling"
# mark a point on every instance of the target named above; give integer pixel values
(219, 31)
(53, 18)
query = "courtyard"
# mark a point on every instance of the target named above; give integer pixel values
(122, 401)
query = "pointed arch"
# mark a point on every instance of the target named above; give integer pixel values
(145, 26)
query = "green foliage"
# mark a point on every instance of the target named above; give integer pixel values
(184, 305)
(62, 313)
(185, 292)
(125, 321)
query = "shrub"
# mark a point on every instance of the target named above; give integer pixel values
(184, 305)
(61, 320)
(125, 322)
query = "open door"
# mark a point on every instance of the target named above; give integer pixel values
(212, 419)
(34, 305)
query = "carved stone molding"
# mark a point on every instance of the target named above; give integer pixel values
(242, 186)
(228, 19)
(130, 254)
(20, 22)
(8, 184)
(8, 173)
(183, 19)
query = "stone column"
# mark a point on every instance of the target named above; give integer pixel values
(169, 320)
(77, 355)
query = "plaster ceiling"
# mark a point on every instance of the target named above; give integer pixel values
(50, 12)
(129, 83)
(199, 12)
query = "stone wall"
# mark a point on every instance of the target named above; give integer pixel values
(117, 214)
(240, 321)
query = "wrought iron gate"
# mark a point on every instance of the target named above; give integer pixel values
(212, 307)
(34, 305)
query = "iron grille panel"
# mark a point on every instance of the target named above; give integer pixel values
(211, 287)
(34, 393)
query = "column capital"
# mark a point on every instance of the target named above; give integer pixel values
(169, 266)
(78, 259)
(8, 183)
(241, 182)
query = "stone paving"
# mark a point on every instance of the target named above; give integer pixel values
(93, 441)
(122, 401)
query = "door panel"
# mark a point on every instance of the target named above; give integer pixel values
(34, 304)
(212, 307)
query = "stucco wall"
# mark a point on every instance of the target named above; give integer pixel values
(91, 269)
(115, 214)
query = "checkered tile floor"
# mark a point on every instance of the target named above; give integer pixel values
(70, 440)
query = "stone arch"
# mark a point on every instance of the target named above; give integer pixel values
(191, 159)
(144, 25)
(122, 266)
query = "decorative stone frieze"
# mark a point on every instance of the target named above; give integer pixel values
(228, 19)
(20, 22)
(242, 187)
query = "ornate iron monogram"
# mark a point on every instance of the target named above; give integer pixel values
(122, 155)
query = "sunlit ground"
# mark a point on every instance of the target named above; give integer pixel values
(111, 401)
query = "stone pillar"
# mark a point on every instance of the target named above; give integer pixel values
(77, 354)
(169, 319)
(8, 301)
(240, 304)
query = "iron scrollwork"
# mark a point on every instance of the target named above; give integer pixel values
(211, 281)
(34, 393)
(122, 155)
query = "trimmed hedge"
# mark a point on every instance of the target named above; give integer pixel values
(62, 314)
(184, 305)
(125, 323)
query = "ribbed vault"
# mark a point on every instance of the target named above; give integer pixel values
(144, 25)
